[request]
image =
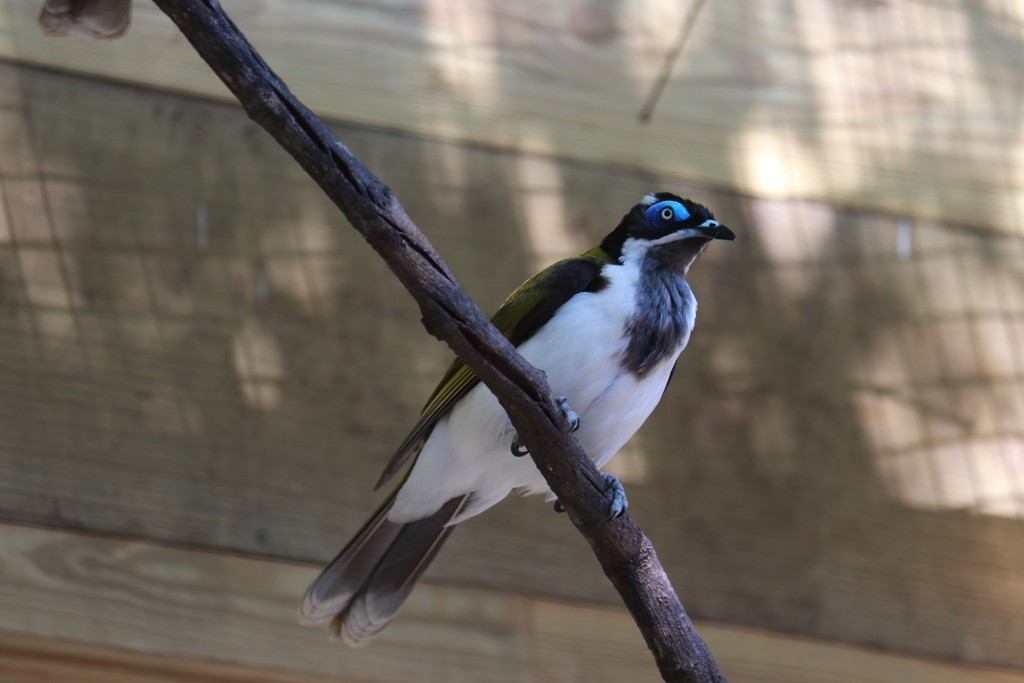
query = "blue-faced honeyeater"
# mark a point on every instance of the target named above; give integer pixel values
(605, 326)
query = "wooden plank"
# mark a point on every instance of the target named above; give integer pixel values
(31, 659)
(195, 351)
(82, 608)
(579, 643)
(894, 107)
(241, 611)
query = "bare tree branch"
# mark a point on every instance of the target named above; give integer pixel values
(625, 553)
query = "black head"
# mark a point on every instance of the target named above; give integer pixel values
(665, 223)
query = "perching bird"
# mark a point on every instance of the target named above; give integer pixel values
(606, 327)
(103, 19)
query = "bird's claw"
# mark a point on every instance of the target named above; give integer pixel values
(619, 502)
(570, 415)
(519, 449)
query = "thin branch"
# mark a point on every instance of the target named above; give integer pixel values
(625, 553)
(647, 110)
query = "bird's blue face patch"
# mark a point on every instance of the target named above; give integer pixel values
(666, 213)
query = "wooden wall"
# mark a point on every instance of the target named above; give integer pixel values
(916, 103)
(203, 369)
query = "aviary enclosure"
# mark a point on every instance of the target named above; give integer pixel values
(203, 368)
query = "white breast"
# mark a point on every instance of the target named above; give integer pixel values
(579, 350)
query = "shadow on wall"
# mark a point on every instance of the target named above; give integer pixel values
(202, 353)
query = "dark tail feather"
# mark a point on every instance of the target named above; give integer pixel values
(331, 592)
(362, 589)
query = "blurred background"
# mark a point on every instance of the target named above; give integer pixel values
(203, 368)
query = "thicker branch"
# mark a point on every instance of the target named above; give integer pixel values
(625, 553)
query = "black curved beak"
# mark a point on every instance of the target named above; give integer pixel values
(717, 231)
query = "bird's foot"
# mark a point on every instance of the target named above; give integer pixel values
(519, 448)
(570, 415)
(619, 502)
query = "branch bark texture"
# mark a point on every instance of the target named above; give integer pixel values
(625, 553)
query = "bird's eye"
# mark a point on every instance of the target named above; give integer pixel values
(666, 213)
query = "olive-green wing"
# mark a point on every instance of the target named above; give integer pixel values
(522, 314)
